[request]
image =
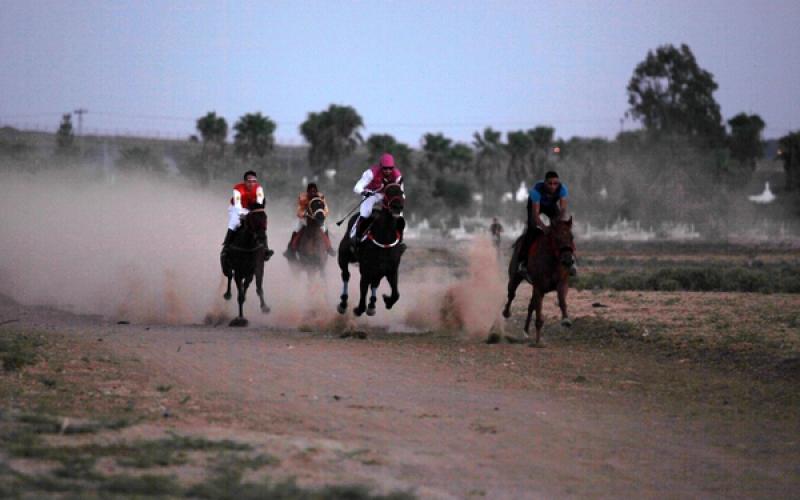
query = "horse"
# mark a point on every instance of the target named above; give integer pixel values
(378, 255)
(547, 269)
(312, 251)
(244, 259)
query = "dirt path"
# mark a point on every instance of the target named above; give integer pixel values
(447, 418)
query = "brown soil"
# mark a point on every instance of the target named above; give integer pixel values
(627, 403)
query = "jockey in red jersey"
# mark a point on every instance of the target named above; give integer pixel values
(370, 186)
(244, 194)
(303, 200)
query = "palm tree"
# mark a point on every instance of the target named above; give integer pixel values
(436, 148)
(519, 147)
(213, 129)
(378, 144)
(333, 135)
(489, 155)
(254, 135)
(460, 157)
(542, 138)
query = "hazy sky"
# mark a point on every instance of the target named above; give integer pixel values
(408, 67)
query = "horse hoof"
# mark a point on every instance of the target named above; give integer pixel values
(389, 301)
(341, 308)
(506, 313)
(227, 296)
(537, 345)
(265, 309)
(358, 311)
(566, 322)
(370, 311)
(238, 322)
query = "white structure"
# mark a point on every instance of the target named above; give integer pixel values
(765, 197)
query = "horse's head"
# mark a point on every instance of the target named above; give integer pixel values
(316, 210)
(394, 199)
(564, 241)
(255, 222)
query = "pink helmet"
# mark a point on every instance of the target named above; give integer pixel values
(387, 160)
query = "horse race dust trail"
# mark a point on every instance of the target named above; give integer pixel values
(439, 413)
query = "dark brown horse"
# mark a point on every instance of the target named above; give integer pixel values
(312, 254)
(547, 269)
(244, 259)
(378, 256)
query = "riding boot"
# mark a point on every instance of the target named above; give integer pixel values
(360, 226)
(328, 245)
(290, 248)
(522, 255)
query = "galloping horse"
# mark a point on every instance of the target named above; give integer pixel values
(378, 256)
(244, 259)
(311, 249)
(547, 269)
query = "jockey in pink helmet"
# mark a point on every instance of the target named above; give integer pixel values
(370, 186)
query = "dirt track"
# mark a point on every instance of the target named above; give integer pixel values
(447, 418)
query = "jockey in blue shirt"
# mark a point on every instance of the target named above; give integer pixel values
(547, 197)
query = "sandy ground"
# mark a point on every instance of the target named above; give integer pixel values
(446, 417)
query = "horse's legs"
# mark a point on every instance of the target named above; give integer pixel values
(514, 280)
(390, 300)
(259, 275)
(362, 299)
(536, 301)
(241, 289)
(531, 308)
(372, 298)
(342, 307)
(227, 295)
(343, 258)
(561, 289)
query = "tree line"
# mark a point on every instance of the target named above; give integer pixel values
(683, 144)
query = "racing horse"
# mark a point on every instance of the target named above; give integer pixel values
(311, 248)
(547, 269)
(244, 259)
(378, 255)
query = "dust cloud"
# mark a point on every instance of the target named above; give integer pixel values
(147, 250)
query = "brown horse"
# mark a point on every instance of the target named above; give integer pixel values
(547, 269)
(312, 254)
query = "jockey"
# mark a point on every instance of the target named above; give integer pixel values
(370, 186)
(244, 194)
(547, 197)
(303, 199)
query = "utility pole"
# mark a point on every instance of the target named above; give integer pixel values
(80, 112)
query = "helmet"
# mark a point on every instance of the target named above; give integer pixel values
(387, 160)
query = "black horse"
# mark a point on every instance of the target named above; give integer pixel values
(378, 256)
(547, 269)
(244, 259)
(312, 254)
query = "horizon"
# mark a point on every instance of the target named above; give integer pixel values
(408, 69)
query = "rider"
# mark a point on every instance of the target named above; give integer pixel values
(303, 199)
(496, 230)
(370, 187)
(244, 195)
(547, 197)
